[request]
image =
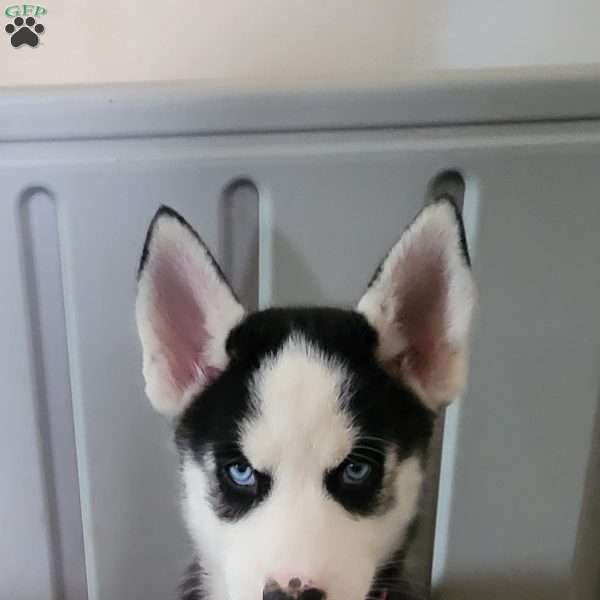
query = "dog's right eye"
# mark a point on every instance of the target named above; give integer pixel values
(356, 473)
(241, 474)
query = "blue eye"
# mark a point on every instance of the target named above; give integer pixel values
(356, 472)
(241, 474)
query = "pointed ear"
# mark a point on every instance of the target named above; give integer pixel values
(420, 301)
(184, 312)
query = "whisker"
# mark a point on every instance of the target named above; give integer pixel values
(372, 438)
(397, 561)
(364, 457)
(370, 449)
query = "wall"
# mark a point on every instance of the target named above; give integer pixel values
(297, 44)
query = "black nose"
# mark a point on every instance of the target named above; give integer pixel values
(274, 592)
(277, 594)
(312, 594)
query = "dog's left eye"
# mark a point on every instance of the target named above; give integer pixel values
(356, 472)
(241, 474)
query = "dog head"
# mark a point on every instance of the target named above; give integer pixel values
(302, 432)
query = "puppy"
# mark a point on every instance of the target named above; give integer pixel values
(303, 432)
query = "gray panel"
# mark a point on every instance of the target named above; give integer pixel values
(239, 241)
(525, 428)
(330, 206)
(27, 568)
(42, 268)
(170, 108)
(586, 567)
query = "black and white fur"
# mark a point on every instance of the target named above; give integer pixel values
(326, 412)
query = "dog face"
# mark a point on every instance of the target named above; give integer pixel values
(302, 432)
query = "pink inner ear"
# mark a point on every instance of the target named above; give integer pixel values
(422, 309)
(180, 323)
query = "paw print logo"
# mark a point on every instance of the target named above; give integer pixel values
(24, 32)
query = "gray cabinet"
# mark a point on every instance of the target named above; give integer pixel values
(91, 504)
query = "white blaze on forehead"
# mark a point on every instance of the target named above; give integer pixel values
(300, 429)
(299, 395)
